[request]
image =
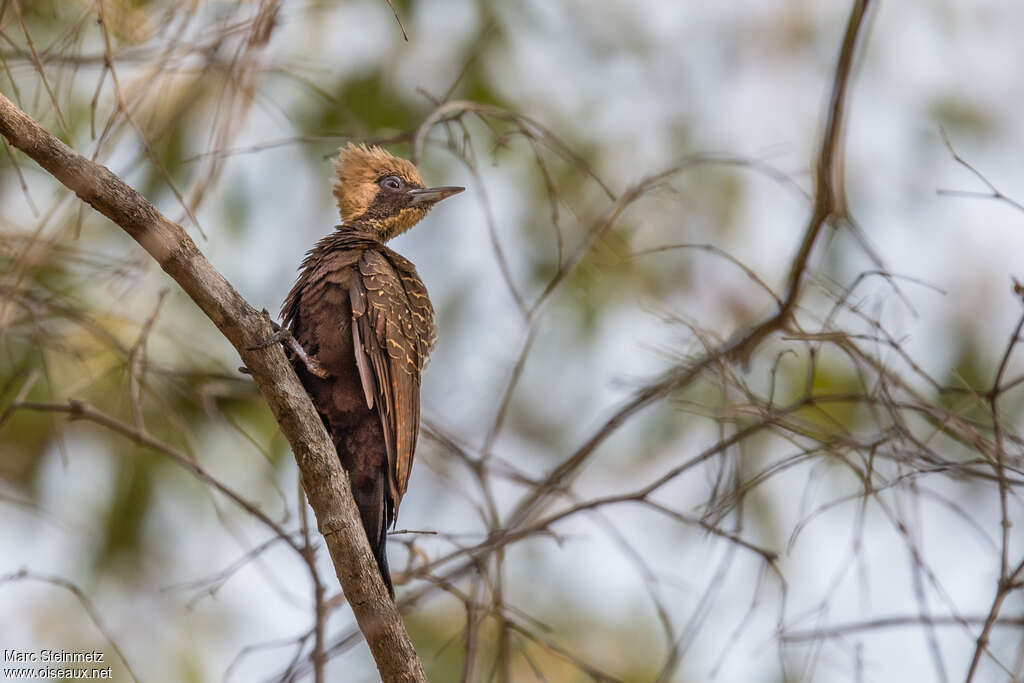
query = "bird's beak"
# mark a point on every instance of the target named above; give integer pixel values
(432, 194)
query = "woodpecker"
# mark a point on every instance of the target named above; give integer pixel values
(363, 327)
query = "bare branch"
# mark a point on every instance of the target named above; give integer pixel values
(90, 609)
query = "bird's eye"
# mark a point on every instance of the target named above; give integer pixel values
(391, 182)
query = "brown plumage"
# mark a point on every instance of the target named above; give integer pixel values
(362, 315)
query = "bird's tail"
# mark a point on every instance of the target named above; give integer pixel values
(380, 554)
(376, 513)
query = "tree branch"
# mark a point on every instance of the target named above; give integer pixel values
(325, 482)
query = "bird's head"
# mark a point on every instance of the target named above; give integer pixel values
(381, 192)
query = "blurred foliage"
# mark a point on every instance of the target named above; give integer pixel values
(958, 114)
(135, 477)
(216, 128)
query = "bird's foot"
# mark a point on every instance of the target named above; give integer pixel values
(279, 336)
(311, 363)
(284, 336)
(276, 338)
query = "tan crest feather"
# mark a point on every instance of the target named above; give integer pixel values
(357, 168)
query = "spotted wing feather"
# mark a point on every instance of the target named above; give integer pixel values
(395, 332)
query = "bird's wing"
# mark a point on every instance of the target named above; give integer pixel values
(392, 323)
(325, 262)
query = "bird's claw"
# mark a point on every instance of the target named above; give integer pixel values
(284, 336)
(280, 335)
(311, 363)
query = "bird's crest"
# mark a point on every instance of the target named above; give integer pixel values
(357, 169)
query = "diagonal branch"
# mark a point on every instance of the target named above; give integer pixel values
(828, 205)
(324, 480)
